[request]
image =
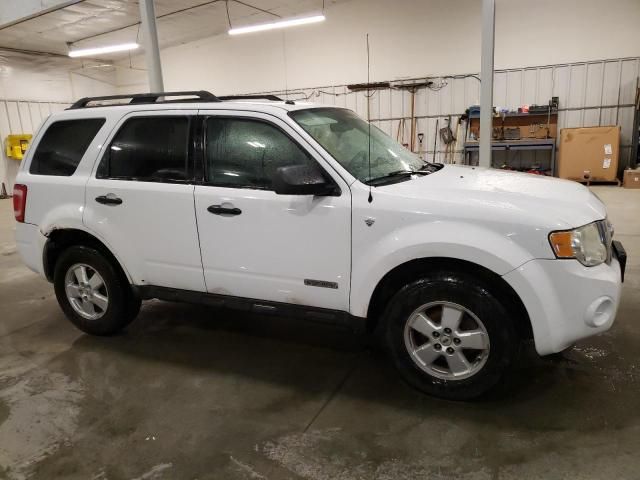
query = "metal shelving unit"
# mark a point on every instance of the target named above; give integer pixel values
(546, 144)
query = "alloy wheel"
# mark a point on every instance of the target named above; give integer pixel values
(86, 291)
(447, 340)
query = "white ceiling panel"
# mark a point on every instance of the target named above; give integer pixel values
(93, 23)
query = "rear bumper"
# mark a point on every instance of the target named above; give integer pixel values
(30, 242)
(567, 301)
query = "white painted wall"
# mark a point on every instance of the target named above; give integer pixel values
(544, 48)
(409, 38)
(50, 79)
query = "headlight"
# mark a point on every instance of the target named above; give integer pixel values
(586, 244)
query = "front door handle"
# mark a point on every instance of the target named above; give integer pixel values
(220, 210)
(109, 199)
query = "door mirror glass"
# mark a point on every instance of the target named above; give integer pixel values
(302, 180)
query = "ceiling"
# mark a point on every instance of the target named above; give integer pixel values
(93, 23)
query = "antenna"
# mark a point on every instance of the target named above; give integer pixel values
(369, 115)
(284, 58)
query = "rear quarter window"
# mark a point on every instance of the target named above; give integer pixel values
(62, 146)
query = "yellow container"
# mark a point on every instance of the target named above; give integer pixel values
(17, 145)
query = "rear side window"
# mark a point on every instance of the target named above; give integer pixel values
(149, 149)
(63, 145)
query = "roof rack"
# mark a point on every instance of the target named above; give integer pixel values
(142, 98)
(274, 98)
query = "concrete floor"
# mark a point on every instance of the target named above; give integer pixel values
(196, 393)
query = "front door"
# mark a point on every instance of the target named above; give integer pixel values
(140, 199)
(256, 244)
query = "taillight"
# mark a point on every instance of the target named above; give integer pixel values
(19, 201)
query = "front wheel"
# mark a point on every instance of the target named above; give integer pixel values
(450, 335)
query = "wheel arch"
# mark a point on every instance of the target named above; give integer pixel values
(58, 240)
(415, 269)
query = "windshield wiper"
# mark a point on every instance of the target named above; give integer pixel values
(396, 175)
(430, 167)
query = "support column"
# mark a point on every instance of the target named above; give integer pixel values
(152, 51)
(486, 75)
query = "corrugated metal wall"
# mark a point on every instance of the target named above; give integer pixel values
(17, 116)
(591, 94)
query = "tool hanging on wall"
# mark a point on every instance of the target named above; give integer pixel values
(551, 102)
(401, 132)
(458, 146)
(448, 138)
(446, 133)
(421, 146)
(3, 192)
(413, 88)
(435, 144)
(413, 118)
(454, 144)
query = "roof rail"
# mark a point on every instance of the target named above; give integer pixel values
(142, 98)
(274, 98)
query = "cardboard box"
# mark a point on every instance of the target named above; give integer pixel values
(631, 179)
(589, 153)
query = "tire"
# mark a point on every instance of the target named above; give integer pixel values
(133, 304)
(437, 367)
(75, 295)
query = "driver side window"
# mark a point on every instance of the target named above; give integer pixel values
(245, 153)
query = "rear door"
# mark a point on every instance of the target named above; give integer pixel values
(256, 244)
(139, 199)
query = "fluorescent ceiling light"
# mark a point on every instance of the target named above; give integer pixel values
(109, 49)
(279, 24)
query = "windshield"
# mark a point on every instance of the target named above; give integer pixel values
(346, 137)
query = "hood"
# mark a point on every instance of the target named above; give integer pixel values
(520, 197)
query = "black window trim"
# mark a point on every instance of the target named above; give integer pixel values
(192, 148)
(201, 164)
(42, 135)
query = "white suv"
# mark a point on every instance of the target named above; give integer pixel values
(294, 209)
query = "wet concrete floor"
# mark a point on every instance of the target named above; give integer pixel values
(189, 392)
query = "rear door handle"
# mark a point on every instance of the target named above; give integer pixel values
(220, 210)
(109, 199)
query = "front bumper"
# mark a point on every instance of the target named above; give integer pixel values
(567, 301)
(621, 254)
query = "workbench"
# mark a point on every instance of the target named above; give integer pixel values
(515, 145)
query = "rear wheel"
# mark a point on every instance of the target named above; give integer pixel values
(92, 292)
(450, 335)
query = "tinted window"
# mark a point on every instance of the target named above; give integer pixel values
(246, 153)
(63, 145)
(153, 149)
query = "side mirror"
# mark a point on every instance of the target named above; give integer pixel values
(302, 180)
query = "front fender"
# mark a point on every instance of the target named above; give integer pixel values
(446, 239)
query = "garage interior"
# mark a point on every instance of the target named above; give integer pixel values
(193, 392)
